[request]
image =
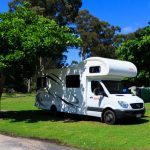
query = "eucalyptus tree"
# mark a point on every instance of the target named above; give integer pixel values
(97, 36)
(62, 11)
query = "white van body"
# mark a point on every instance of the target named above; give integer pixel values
(91, 88)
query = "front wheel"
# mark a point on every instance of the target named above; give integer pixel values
(109, 117)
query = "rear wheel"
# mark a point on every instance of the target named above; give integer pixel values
(53, 110)
(109, 117)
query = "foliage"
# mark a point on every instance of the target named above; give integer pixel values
(137, 50)
(26, 36)
(24, 120)
(74, 62)
(120, 38)
(97, 36)
(62, 11)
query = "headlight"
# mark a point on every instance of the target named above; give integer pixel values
(123, 104)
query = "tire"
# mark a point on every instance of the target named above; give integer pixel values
(53, 110)
(109, 117)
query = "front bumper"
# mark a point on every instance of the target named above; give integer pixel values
(129, 113)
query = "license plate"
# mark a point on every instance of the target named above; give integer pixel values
(138, 115)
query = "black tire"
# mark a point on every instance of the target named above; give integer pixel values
(53, 110)
(109, 117)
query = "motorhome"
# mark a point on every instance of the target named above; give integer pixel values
(93, 87)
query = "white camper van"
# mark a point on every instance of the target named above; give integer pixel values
(92, 88)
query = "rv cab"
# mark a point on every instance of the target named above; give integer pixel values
(112, 98)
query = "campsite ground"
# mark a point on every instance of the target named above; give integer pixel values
(13, 143)
(20, 118)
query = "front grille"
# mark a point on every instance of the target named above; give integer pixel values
(137, 105)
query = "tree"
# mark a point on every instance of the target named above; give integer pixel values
(137, 51)
(120, 38)
(62, 11)
(74, 62)
(27, 37)
(97, 36)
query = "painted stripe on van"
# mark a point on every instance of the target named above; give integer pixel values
(53, 79)
(56, 77)
(68, 103)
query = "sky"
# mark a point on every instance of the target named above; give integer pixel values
(127, 14)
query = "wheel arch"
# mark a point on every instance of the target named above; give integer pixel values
(104, 110)
(53, 106)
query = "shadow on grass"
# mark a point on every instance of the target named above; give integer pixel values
(32, 116)
(134, 121)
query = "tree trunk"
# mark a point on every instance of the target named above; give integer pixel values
(29, 85)
(149, 78)
(2, 81)
(41, 65)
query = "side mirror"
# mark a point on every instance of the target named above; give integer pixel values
(103, 93)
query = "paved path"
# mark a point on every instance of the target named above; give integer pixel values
(11, 143)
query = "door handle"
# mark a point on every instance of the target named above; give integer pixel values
(91, 97)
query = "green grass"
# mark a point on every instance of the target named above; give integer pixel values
(23, 119)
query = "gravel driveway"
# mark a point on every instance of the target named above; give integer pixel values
(11, 143)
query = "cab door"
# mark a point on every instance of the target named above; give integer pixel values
(96, 98)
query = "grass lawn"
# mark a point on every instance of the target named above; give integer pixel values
(23, 119)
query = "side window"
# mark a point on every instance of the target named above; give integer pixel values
(73, 81)
(95, 69)
(96, 87)
(41, 82)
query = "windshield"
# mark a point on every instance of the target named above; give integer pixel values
(116, 87)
